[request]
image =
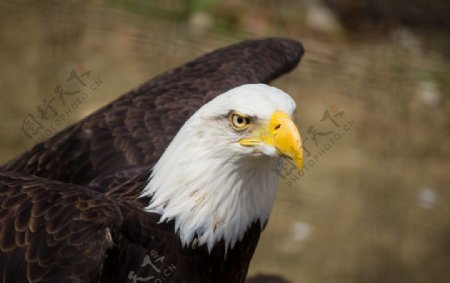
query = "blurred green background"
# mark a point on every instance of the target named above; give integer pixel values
(373, 96)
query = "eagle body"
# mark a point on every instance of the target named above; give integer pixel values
(57, 232)
(114, 198)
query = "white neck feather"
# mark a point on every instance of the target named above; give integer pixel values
(209, 191)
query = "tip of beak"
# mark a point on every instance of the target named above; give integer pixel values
(299, 162)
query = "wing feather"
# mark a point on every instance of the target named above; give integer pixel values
(56, 232)
(136, 128)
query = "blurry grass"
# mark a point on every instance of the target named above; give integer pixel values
(154, 9)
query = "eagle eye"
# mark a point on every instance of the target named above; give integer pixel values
(239, 122)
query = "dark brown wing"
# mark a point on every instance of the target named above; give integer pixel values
(57, 232)
(135, 129)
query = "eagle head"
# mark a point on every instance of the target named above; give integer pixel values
(219, 174)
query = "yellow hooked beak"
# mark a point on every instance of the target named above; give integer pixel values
(281, 134)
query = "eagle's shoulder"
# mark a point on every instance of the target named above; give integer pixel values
(61, 232)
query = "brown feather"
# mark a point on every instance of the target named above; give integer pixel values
(67, 239)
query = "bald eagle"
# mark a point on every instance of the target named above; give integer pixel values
(172, 182)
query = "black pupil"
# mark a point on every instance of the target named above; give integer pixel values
(240, 120)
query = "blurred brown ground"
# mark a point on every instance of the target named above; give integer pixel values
(373, 206)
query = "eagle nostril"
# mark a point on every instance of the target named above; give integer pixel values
(277, 126)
